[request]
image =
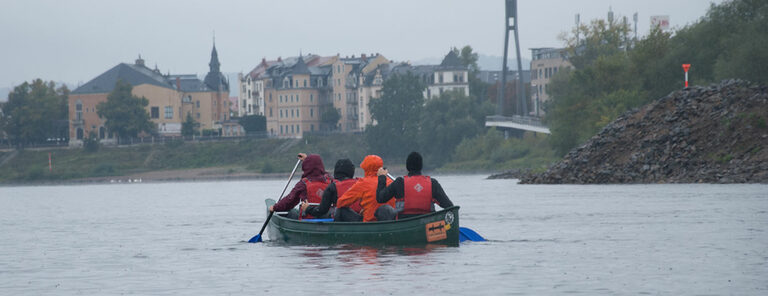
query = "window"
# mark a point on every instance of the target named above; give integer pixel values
(155, 112)
(305, 83)
(312, 127)
(297, 129)
(297, 98)
(79, 133)
(440, 77)
(168, 112)
(281, 129)
(281, 113)
(297, 113)
(197, 104)
(311, 112)
(79, 108)
(270, 97)
(102, 132)
(292, 130)
(291, 98)
(311, 97)
(243, 103)
(338, 68)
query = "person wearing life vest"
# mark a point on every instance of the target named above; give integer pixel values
(314, 180)
(364, 191)
(344, 178)
(415, 193)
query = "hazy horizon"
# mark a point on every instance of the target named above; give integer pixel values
(74, 41)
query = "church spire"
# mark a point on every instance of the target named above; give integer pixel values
(214, 65)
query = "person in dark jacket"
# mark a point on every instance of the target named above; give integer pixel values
(313, 172)
(414, 194)
(344, 178)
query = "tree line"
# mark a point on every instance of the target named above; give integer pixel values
(613, 73)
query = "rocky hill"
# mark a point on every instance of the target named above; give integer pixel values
(714, 134)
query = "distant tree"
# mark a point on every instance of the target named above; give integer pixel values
(124, 113)
(477, 88)
(329, 116)
(446, 121)
(253, 123)
(34, 113)
(91, 143)
(189, 126)
(397, 114)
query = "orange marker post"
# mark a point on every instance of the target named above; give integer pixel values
(685, 68)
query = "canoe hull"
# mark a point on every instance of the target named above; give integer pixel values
(440, 228)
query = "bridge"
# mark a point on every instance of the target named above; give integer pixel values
(525, 123)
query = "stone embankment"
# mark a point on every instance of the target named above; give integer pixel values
(714, 134)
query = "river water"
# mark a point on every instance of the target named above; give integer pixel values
(188, 239)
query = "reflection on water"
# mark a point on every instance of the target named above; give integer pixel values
(184, 238)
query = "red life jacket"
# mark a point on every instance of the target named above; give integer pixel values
(342, 187)
(314, 192)
(417, 195)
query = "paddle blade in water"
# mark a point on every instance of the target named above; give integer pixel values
(255, 239)
(469, 234)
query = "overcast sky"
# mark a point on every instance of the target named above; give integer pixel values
(75, 40)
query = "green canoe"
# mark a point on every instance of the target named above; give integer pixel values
(441, 228)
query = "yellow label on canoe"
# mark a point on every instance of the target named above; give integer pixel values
(436, 231)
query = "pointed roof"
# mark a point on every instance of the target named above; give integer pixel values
(452, 60)
(130, 73)
(215, 79)
(300, 67)
(214, 65)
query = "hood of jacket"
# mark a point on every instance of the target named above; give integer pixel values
(371, 165)
(344, 169)
(312, 167)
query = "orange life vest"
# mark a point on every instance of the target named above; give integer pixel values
(343, 186)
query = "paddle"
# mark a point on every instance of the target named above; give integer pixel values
(257, 238)
(464, 232)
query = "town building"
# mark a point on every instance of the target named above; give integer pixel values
(545, 63)
(293, 93)
(171, 98)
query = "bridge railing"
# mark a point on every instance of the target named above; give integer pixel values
(527, 120)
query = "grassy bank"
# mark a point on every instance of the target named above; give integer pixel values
(485, 153)
(258, 156)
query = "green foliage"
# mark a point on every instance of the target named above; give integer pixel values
(125, 113)
(253, 123)
(91, 143)
(189, 126)
(477, 88)
(35, 112)
(448, 120)
(397, 114)
(611, 77)
(490, 151)
(329, 116)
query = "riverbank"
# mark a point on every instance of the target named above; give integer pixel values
(703, 134)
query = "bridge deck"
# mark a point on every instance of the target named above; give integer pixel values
(517, 122)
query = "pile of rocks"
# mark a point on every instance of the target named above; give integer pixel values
(714, 134)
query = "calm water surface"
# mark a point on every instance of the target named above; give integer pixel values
(188, 238)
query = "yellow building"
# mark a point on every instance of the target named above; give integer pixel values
(171, 98)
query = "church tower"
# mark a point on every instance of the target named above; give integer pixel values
(215, 79)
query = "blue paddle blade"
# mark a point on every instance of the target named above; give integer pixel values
(469, 234)
(255, 239)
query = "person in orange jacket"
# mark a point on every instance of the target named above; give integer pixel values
(365, 190)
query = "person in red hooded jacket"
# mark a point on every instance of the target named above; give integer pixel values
(364, 191)
(314, 180)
